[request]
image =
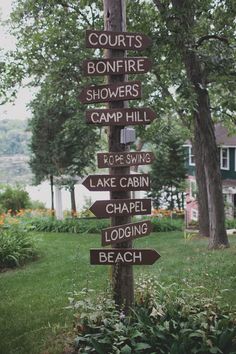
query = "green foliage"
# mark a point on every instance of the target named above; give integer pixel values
(163, 320)
(73, 225)
(16, 247)
(36, 204)
(13, 137)
(168, 171)
(166, 224)
(91, 225)
(14, 199)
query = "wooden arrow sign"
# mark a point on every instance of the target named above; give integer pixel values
(117, 66)
(125, 256)
(126, 232)
(116, 116)
(120, 207)
(130, 90)
(134, 182)
(117, 40)
(118, 159)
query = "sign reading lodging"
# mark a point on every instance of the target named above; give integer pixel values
(130, 90)
(126, 256)
(134, 182)
(116, 116)
(125, 232)
(117, 40)
(120, 207)
(116, 66)
(119, 159)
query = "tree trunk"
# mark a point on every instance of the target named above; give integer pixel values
(204, 127)
(122, 274)
(73, 203)
(52, 196)
(203, 212)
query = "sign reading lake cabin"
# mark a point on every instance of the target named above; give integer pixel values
(116, 116)
(119, 159)
(118, 207)
(126, 256)
(130, 90)
(121, 233)
(117, 40)
(116, 66)
(134, 182)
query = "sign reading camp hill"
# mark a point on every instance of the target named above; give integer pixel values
(134, 182)
(126, 256)
(119, 159)
(120, 207)
(122, 233)
(116, 116)
(117, 40)
(130, 90)
(116, 66)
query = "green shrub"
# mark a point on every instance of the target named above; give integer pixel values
(36, 204)
(16, 247)
(14, 199)
(49, 224)
(163, 320)
(166, 224)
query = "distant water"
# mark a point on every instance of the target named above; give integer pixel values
(42, 193)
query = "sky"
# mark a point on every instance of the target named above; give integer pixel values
(16, 109)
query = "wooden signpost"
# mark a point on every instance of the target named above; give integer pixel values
(134, 182)
(117, 66)
(117, 40)
(117, 207)
(125, 256)
(116, 93)
(125, 116)
(116, 234)
(107, 93)
(119, 159)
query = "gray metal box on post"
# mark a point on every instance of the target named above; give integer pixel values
(127, 135)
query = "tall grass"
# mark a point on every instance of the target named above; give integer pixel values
(16, 247)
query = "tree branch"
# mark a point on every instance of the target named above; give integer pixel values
(159, 5)
(211, 36)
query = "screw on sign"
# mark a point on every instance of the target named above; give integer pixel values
(117, 66)
(125, 116)
(118, 207)
(125, 256)
(130, 90)
(117, 40)
(134, 182)
(116, 234)
(119, 159)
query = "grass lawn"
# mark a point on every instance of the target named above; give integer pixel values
(33, 298)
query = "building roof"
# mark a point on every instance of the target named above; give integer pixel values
(222, 137)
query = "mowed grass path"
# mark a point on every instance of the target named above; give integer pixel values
(33, 299)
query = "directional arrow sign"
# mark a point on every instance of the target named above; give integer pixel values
(134, 182)
(119, 116)
(117, 159)
(126, 232)
(117, 66)
(106, 93)
(120, 207)
(117, 40)
(125, 256)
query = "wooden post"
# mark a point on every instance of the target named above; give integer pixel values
(122, 274)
